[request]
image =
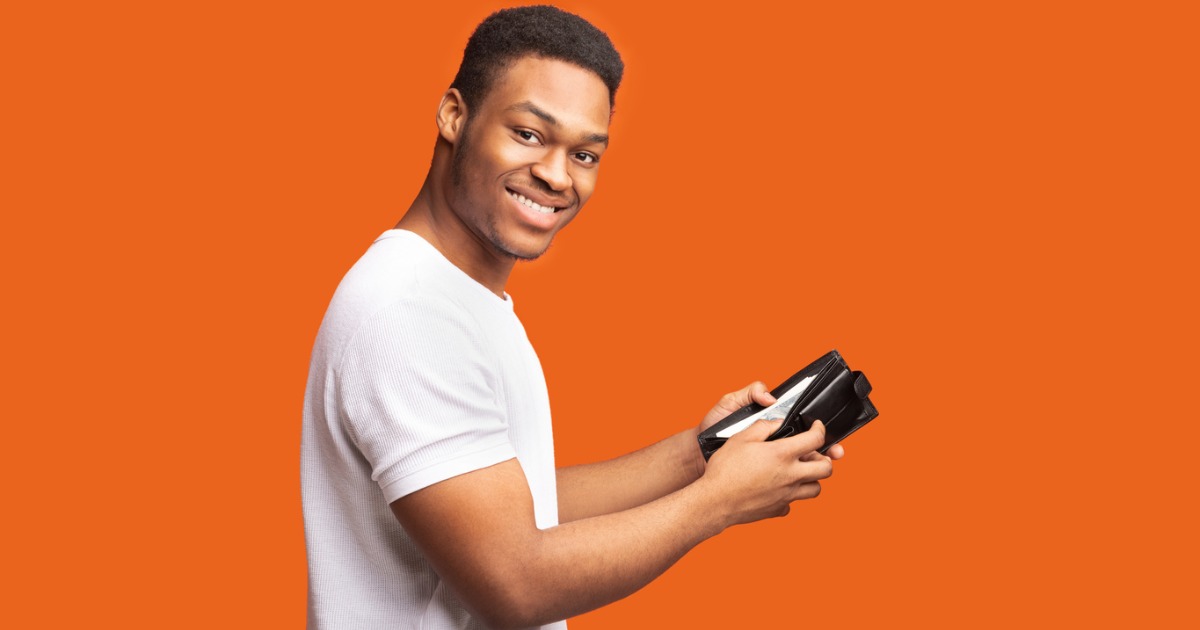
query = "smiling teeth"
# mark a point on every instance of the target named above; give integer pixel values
(531, 205)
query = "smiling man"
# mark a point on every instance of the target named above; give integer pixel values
(431, 498)
(523, 163)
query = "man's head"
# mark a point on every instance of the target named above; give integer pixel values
(526, 120)
(540, 31)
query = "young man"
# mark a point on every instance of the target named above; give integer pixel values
(431, 499)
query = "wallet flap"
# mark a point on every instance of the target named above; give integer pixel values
(862, 387)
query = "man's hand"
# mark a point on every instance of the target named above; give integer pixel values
(754, 479)
(478, 529)
(731, 402)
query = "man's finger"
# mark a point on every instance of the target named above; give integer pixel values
(813, 456)
(754, 392)
(807, 491)
(814, 470)
(760, 394)
(810, 440)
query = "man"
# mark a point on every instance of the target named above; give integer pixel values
(430, 494)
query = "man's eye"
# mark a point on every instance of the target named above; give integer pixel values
(527, 135)
(587, 158)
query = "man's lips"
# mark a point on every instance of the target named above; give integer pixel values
(536, 203)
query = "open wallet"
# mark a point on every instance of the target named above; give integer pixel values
(826, 390)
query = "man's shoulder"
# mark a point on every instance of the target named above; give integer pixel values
(393, 267)
(398, 278)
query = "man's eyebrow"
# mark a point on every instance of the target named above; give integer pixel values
(601, 138)
(526, 106)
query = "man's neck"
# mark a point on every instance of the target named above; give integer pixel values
(463, 248)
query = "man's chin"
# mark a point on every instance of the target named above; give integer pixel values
(525, 256)
(520, 253)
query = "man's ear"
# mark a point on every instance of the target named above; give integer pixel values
(451, 115)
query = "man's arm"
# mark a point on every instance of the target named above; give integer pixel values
(631, 480)
(479, 533)
(640, 477)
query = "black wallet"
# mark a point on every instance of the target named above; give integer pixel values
(826, 390)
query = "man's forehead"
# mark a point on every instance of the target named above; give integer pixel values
(568, 94)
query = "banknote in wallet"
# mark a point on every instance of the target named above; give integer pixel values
(825, 390)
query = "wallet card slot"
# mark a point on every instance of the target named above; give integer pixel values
(832, 366)
(839, 421)
(786, 430)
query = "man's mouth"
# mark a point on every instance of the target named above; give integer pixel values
(531, 204)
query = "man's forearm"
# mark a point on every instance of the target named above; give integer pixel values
(628, 481)
(478, 529)
(585, 564)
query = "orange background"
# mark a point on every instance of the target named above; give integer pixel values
(990, 208)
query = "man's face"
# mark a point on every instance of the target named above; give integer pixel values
(529, 155)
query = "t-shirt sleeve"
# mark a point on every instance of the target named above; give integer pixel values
(418, 396)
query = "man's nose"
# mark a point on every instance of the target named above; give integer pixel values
(552, 169)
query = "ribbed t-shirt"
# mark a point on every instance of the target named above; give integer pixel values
(418, 374)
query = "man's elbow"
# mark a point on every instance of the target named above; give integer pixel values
(515, 594)
(514, 605)
(507, 621)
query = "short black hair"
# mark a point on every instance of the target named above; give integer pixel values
(543, 31)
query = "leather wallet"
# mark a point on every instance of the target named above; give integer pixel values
(825, 390)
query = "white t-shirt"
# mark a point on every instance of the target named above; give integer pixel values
(418, 374)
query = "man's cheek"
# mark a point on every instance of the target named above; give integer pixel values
(585, 185)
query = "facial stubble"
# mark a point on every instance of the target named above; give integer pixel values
(491, 232)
